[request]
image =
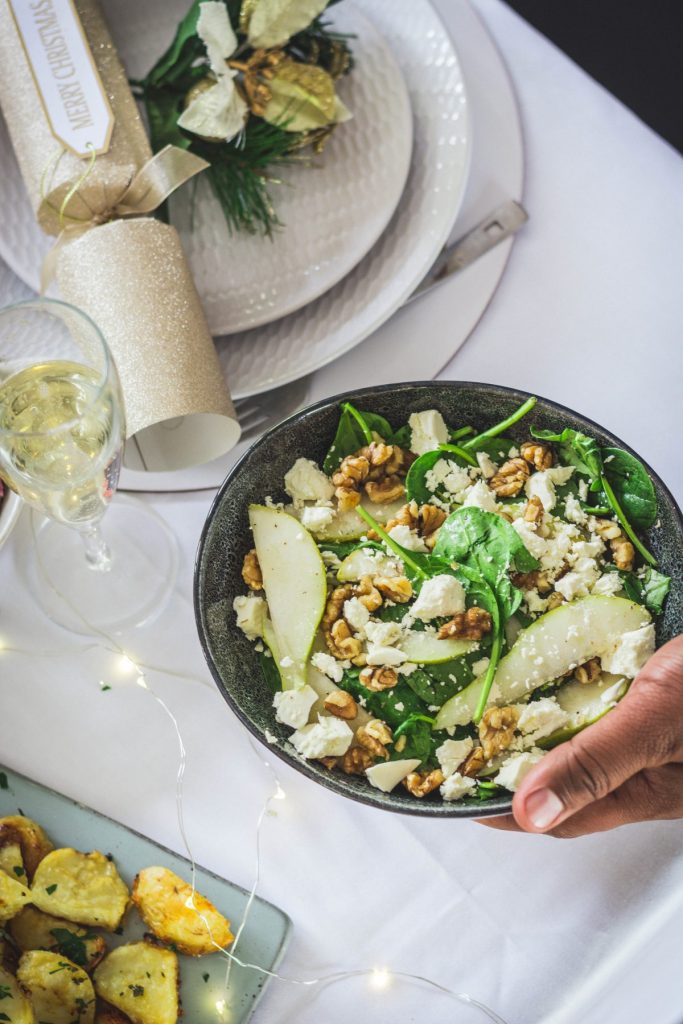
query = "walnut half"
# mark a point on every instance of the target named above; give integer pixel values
(469, 625)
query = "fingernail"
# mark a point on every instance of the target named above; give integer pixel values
(543, 807)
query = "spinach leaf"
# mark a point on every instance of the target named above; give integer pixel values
(417, 728)
(384, 704)
(433, 690)
(632, 485)
(402, 437)
(487, 790)
(354, 431)
(487, 542)
(343, 548)
(475, 443)
(497, 448)
(650, 589)
(576, 449)
(270, 672)
(416, 480)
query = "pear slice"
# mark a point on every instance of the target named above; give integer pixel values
(586, 703)
(348, 525)
(368, 562)
(552, 645)
(426, 649)
(296, 589)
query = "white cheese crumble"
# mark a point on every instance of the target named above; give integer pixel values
(486, 465)
(387, 775)
(384, 634)
(608, 585)
(583, 489)
(356, 614)
(452, 753)
(408, 668)
(573, 511)
(456, 786)
(481, 496)
(378, 654)
(515, 768)
(541, 485)
(480, 667)
(632, 651)
(317, 517)
(579, 581)
(251, 614)
(407, 538)
(270, 737)
(292, 707)
(536, 604)
(329, 666)
(450, 476)
(328, 737)
(439, 596)
(540, 718)
(534, 544)
(428, 431)
(306, 482)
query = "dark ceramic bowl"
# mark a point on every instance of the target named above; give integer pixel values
(226, 539)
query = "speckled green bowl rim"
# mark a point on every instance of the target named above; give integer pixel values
(332, 780)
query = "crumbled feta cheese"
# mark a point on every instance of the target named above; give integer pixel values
(286, 662)
(542, 484)
(481, 496)
(399, 707)
(573, 511)
(515, 768)
(480, 667)
(331, 559)
(328, 737)
(387, 775)
(456, 786)
(450, 476)
(306, 482)
(536, 604)
(558, 546)
(407, 538)
(592, 548)
(317, 517)
(583, 489)
(270, 738)
(370, 562)
(428, 431)
(407, 669)
(534, 544)
(513, 453)
(631, 652)
(580, 580)
(486, 465)
(292, 707)
(251, 614)
(440, 595)
(329, 666)
(452, 753)
(608, 585)
(384, 634)
(381, 655)
(540, 718)
(356, 614)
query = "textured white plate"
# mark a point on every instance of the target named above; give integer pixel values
(265, 357)
(333, 210)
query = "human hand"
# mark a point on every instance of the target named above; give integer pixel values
(626, 767)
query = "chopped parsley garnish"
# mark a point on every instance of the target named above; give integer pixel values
(71, 945)
(18, 870)
(49, 889)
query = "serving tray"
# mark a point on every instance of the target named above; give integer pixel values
(202, 979)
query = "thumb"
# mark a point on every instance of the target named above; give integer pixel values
(643, 730)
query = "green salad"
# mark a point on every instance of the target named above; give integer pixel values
(436, 607)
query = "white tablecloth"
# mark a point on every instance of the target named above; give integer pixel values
(588, 314)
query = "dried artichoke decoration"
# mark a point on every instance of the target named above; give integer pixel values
(248, 85)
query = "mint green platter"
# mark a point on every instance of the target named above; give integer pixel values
(263, 940)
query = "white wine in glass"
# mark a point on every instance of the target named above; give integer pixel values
(61, 440)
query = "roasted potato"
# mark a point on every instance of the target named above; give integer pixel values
(35, 844)
(13, 896)
(175, 915)
(15, 1005)
(142, 980)
(11, 860)
(60, 992)
(32, 929)
(82, 887)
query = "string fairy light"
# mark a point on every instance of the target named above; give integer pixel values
(380, 979)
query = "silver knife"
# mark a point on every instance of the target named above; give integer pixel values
(497, 226)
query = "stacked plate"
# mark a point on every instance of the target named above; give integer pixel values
(360, 228)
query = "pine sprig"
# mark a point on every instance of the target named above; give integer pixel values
(238, 171)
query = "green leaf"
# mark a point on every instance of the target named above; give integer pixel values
(416, 480)
(649, 589)
(72, 946)
(435, 688)
(475, 443)
(49, 889)
(384, 704)
(343, 548)
(576, 449)
(354, 431)
(417, 728)
(632, 485)
(186, 46)
(270, 672)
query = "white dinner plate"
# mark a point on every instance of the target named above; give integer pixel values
(333, 209)
(265, 357)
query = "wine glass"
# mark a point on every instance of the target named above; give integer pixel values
(62, 432)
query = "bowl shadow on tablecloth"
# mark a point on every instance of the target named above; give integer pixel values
(226, 538)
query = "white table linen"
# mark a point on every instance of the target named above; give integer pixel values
(588, 313)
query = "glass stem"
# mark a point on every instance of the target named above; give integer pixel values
(97, 553)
